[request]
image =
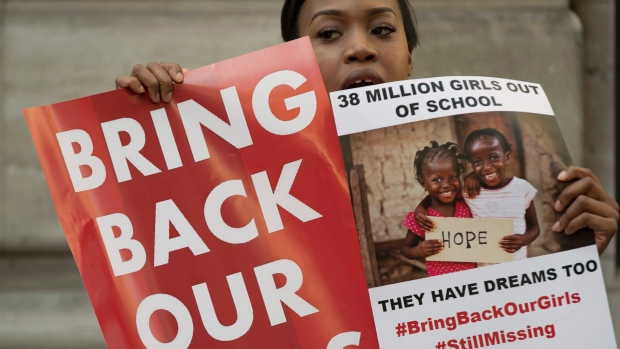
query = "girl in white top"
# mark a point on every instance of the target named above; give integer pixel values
(500, 196)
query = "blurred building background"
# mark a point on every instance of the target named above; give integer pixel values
(52, 51)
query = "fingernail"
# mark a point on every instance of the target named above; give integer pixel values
(179, 76)
(156, 97)
(141, 89)
(168, 96)
(556, 226)
(562, 175)
(557, 205)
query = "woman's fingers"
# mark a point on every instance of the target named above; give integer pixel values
(174, 71)
(166, 74)
(595, 222)
(604, 228)
(148, 80)
(586, 204)
(576, 172)
(130, 82)
(589, 187)
(585, 185)
(156, 78)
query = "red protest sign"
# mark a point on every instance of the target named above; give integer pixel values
(219, 220)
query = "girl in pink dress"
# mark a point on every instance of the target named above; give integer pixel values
(438, 169)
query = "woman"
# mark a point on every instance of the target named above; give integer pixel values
(363, 42)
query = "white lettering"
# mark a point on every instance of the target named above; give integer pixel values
(193, 115)
(270, 200)
(175, 307)
(215, 221)
(114, 245)
(166, 213)
(83, 158)
(243, 306)
(123, 154)
(166, 139)
(274, 297)
(344, 339)
(306, 102)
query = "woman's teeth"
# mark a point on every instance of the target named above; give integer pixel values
(447, 193)
(361, 83)
(491, 176)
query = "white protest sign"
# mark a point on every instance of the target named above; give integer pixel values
(530, 303)
(551, 301)
(396, 103)
(470, 240)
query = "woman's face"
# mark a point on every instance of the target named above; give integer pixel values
(357, 42)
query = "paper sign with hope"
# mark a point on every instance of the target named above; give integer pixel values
(470, 240)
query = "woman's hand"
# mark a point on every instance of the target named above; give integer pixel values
(156, 78)
(586, 205)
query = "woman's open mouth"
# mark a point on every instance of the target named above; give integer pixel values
(362, 78)
(361, 83)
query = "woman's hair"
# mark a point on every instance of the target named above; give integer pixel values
(436, 151)
(486, 133)
(289, 21)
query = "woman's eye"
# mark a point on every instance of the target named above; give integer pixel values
(382, 30)
(329, 34)
(476, 163)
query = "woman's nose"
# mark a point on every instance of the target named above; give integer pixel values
(360, 48)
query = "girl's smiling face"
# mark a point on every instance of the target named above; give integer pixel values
(489, 160)
(441, 179)
(357, 42)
